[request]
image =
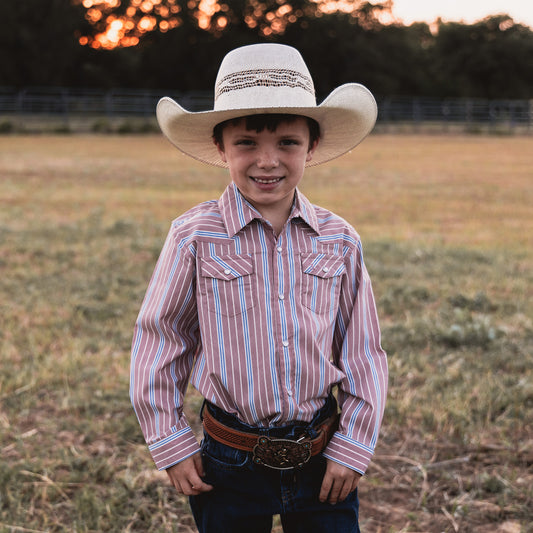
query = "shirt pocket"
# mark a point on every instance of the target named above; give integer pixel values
(321, 281)
(226, 283)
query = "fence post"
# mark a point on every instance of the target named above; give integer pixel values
(416, 113)
(20, 101)
(445, 110)
(65, 106)
(383, 112)
(108, 99)
(469, 107)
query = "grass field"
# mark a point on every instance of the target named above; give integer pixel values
(447, 226)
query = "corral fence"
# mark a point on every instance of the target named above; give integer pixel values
(71, 109)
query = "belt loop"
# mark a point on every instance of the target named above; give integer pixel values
(202, 410)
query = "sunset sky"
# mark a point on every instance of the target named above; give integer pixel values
(462, 10)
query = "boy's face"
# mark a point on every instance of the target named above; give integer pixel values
(267, 166)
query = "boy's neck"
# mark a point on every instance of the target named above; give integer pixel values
(277, 220)
(276, 214)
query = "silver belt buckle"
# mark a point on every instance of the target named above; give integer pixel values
(281, 454)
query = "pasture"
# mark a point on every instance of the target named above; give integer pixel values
(447, 226)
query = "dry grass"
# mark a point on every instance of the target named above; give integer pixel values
(457, 190)
(447, 226)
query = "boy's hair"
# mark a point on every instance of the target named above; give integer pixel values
(270, 121)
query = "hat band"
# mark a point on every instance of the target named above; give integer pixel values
(246, 79)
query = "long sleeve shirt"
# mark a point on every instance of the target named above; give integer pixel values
(263, 326)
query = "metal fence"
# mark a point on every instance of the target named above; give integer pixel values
(85, 108)
(513, 114)
(92, 102)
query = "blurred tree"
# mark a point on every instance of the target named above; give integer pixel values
(490, 59)
(187, 58)
(38, 45)
(389, 59)
(171, 57)
(180, 43)
(125, 23)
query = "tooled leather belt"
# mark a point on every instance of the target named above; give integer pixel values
(280, 454)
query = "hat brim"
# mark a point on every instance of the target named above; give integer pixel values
(345, 117)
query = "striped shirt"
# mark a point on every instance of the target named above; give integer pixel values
(262, 326)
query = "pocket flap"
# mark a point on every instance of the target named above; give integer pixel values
(322, 265)
(227, 267)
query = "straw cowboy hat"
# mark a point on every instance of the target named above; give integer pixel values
(270, 78)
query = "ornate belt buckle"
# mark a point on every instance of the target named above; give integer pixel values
(281, 454)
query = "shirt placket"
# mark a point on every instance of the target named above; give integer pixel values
(285, 333)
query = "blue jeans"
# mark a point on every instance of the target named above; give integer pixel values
(246, 495)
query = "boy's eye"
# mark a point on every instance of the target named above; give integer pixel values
(244, 142)
(289, 142)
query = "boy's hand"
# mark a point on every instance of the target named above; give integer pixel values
(187, 476)
(338, 482)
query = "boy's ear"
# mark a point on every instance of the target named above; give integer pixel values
(220, 150)
(312, 149)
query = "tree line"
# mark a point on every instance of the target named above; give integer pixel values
(41, 45)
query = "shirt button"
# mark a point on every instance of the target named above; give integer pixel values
(279, 249)
(285, 343)
(227, 271)
(325, 269)
(281, 296)
(289, 392)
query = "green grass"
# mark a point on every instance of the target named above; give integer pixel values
(82, 220)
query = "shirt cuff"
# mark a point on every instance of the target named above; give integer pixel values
(349, 452)
(174, 448)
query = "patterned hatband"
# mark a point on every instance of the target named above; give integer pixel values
(264, 78)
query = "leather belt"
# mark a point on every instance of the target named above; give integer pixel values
(280, 454)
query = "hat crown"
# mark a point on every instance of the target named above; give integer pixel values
(263, 76)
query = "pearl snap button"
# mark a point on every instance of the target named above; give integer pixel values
(227, 271)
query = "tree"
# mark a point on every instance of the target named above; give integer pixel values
(180, 43)
(388, 59)
(38, 45)
(492, 58)
(127, 23)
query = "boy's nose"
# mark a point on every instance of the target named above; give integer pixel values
(267, 158)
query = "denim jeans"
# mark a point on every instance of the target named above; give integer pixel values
(246, 495)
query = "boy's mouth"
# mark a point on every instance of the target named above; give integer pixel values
(266, 181)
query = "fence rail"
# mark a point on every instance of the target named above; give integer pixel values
(83, 105)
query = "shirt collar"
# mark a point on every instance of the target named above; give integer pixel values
(237, 212)
(303, 209)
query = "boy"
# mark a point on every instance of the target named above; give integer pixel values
(263, 302)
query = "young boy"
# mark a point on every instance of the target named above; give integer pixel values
(263, 302)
